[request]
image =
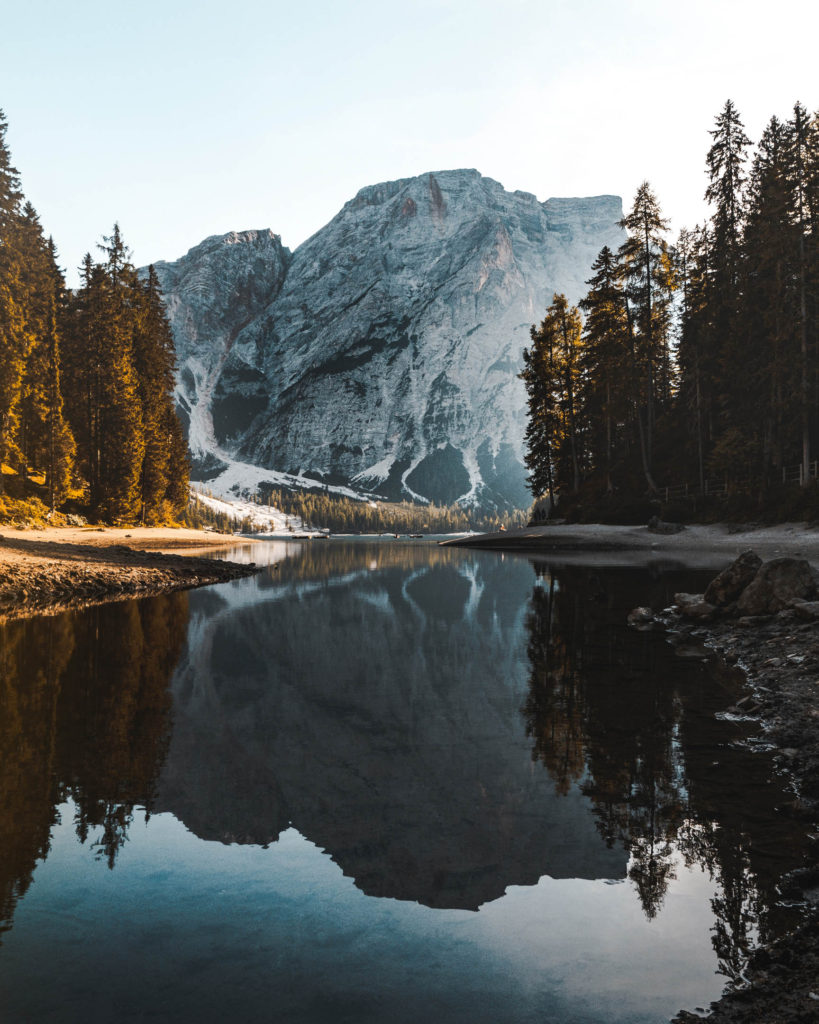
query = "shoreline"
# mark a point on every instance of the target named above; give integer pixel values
(48, 571)
(696, 546)
(780, 661)
(779, 657)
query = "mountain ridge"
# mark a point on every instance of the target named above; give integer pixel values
(383, 352)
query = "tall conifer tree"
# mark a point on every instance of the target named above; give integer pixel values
(605, 361)
(15, 339)
(646, 270)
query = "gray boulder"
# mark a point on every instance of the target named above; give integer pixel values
(776, 585)
(656, 525)
(730, 583)
(808, 610)
(694, 606)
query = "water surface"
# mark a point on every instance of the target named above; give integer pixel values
(379, 781)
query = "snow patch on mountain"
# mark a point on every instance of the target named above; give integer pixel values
(242, 479)
(262, 519)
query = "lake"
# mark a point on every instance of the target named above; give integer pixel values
(381, 781)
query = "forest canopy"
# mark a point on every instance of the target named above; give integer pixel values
(694, 368)
(86, 377)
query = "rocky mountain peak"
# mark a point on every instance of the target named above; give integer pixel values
(383, 353)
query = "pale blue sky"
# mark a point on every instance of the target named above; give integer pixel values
(183, 119)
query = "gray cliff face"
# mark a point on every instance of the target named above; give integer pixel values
(385, 352)
(211, 294)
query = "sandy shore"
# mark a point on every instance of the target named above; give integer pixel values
(47, 571)
(696, 546)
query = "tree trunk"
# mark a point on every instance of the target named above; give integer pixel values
(609, 487)
(699, 421)
(635, 386)
(3, 421)
(803, 338)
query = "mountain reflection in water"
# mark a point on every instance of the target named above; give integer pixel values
(444, 724)
(379, 713)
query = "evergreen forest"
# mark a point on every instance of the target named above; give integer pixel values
(687, 379)
(343, 515)
(87, 422)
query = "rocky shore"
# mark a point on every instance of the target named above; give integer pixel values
(764, 618)
(45, 572)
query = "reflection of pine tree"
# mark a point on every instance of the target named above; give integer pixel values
(84, 715)
(651, 870)
(736, 909)
(604, 711)
(33, 656)
(116, 712)
(553, 709)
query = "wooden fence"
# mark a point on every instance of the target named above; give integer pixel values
(796, 474)
(722, 488)
(710, 489)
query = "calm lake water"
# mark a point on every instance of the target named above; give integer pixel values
(379, 782)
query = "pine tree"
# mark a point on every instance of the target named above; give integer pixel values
(691, 257)
(44, 438)
(801, 152)
(106, 413)
(565, 322)
(604, 361)
(721, 354)
(552, 377)
(759, 431)
(726, 180)
(154, 362)
(646, 270)
(60, 448)
(177, 491)
(120, 363)
(15, 339)
(541, 438)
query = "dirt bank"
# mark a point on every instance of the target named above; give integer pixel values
(47, 571)
(702, 546)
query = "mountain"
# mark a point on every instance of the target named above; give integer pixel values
(383, 353)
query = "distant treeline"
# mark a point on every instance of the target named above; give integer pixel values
(695, 359)
(198, 515)
(344, 515)
(86, 376)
